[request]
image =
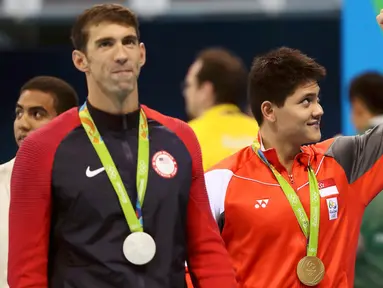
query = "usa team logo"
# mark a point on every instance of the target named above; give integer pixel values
(164, 164)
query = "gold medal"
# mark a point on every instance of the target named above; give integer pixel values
(310, 270)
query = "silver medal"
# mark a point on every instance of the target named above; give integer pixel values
(139, 248)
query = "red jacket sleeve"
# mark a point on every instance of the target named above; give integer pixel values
(29, 217)
(209, 263)
(30, 214)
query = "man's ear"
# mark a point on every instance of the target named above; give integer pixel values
(268, 111)
(80, 61)
(142, 54)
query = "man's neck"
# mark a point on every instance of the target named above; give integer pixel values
(286, 150)
(114, 104)
(203, 110)
(206, 105)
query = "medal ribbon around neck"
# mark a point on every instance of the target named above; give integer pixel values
(133, 217)
(309, 228)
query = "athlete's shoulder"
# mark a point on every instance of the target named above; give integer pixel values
(176, 125)
(322, 147)
(181, 129)
(235, 161)
(51, 134)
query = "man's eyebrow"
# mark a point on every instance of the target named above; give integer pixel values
(131, 37)
(36, 107)
(104, 39)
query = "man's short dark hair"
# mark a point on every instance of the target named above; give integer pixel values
(65, 97)
(275, 76)
(112, 13)
(226, 72)
(368, 87)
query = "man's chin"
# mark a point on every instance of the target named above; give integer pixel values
(124, 89)
(314, 138)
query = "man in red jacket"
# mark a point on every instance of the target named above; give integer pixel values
(289, 212)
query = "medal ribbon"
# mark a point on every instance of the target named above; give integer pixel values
(309, 228)
(133, 217)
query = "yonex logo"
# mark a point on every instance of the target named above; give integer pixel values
(262, 203)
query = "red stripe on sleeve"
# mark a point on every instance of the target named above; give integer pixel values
(29, 215)
(209, 262)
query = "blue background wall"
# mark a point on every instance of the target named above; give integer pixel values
(361, 44)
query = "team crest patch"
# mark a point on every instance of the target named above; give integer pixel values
(164, 164)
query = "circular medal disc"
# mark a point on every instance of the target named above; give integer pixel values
(310, 270)
(139, 248)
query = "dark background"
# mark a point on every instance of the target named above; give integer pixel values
(43, 48)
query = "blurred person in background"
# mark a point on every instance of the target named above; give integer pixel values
(214, 89)
(248, 111)
(366, 97)
(112, 194)
(41, 99)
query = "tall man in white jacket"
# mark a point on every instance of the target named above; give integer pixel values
(41, 99)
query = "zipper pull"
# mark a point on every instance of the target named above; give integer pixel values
(124, 122)
(291, 179)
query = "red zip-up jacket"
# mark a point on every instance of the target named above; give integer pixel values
(260, 229)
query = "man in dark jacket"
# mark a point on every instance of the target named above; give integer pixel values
(112, 195)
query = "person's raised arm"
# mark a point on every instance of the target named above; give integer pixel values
(361, 158)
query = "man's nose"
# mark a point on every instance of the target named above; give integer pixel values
(121, 56)
(318, 111)
(24, 123)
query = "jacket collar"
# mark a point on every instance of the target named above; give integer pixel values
(109, 122)
(304, 158)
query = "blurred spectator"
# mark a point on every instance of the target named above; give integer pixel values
(366, 96)
(41, 99)
(215, 86)
(248, 111)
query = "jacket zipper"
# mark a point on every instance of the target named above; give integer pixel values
(291, 178)
(124, 122)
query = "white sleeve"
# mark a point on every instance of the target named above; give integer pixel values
(217, 182)
(5, 181)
